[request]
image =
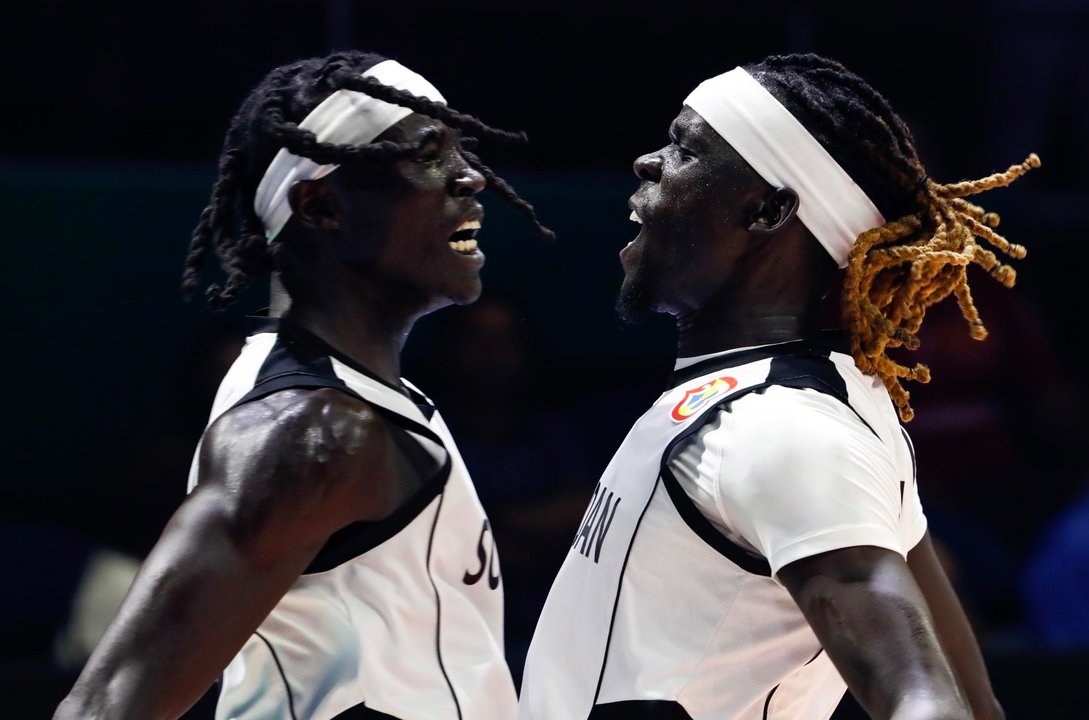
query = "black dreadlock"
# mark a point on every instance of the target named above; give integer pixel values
(920, 256)
(267, 121)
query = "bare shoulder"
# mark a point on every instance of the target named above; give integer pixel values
(313, 423)
(320, 450)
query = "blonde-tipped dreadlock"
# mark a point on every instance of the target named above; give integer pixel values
(897, 271)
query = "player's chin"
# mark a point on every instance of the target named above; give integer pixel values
(634, 302)
(467, 292)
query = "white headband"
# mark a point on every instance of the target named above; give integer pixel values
(346, 117)
(781, 150)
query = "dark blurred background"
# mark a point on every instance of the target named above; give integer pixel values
(113, 114)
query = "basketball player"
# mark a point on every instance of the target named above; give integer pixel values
(757, 543)
(332, 559)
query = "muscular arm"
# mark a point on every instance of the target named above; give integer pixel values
(872, 620)
(954, 631)
(277, 478)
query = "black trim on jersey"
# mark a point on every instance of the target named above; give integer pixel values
(422, 402)
(711, 535)
(362, 712)
(359, 537)
(301, 339)
(820, 345)
(301, 363)
(767, 700)
(283, 676)
(803, 371)
(427, 410)
(811, 370)
(308, 381)
(301, 359)
(305, 341)
(619, 585)
(693, 518)
(639, 710)
(438, 609)
(914, 467)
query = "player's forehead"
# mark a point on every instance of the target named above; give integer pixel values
(690, 125)
(691, 130)
(414, 130)
(417, 127)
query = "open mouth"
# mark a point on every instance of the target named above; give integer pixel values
(463, 241)
(634, 217)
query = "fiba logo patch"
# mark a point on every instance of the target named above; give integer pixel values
(699, 397)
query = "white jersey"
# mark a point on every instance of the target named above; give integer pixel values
(400, 618)
(659, 611)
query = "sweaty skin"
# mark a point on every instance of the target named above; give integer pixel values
(724, 253)
(867, 610)
(282, 474)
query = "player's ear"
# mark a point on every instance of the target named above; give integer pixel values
(775, 210)
(315, 204)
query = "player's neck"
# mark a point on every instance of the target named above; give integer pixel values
(706, 332)
(364, 331)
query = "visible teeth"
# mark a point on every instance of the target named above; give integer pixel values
(465, 247)
(466, 232)
(634, 218)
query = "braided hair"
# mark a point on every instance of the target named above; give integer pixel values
(267, 121)
(921, 255)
